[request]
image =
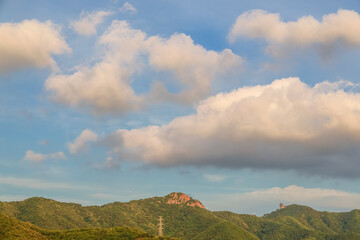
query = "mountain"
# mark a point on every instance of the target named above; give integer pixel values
(299, 222)
(184, 218)
(13, 229)
(321, 221)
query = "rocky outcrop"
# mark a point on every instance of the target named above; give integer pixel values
(182, 198)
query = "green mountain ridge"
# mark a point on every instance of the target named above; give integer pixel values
(185, 218)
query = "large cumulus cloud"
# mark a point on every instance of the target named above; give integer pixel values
(106, 86)
(30, 43)
(283, 125)
(193, 66)
(335, 30)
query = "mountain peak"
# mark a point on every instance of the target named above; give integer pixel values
(182, 198)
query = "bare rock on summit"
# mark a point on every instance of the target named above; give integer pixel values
(182, 198)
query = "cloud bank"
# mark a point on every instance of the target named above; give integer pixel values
(334, 31)
(283, 125)
(105, 87)
(262, 200)
(30, 43)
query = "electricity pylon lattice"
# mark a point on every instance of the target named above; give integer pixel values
(161, 227)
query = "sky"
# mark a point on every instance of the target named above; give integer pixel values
(240, 104)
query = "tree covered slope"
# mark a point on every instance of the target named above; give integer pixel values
(184, 218)
(13, 229)
(299, 222)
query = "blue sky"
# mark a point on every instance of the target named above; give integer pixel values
(240, 104)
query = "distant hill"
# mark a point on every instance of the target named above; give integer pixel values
(185, 218)
(299, 222)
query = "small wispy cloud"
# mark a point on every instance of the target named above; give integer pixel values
(35, 183)
(88, 22)
(44, 142)
(214, 177)
(82, 141)
(32, 156)
(109, 164)
(127, 7)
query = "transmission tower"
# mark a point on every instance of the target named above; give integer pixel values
(161, 227)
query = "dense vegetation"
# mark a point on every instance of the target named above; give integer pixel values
(180, 220)
(299, 222)
(13, 229)
(138, 220)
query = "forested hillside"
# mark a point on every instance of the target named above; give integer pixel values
(184, 218)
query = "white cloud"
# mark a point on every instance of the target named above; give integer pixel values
(106, 86)
(111, 163)
(32, 156)
(35, 183)
(334, 30)
(284, 125)
(193, 66)
(214, 177)
(127, 7)
(30, 43)
(81, 142)
(262, 201)
(44, 142)
(88, 22)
